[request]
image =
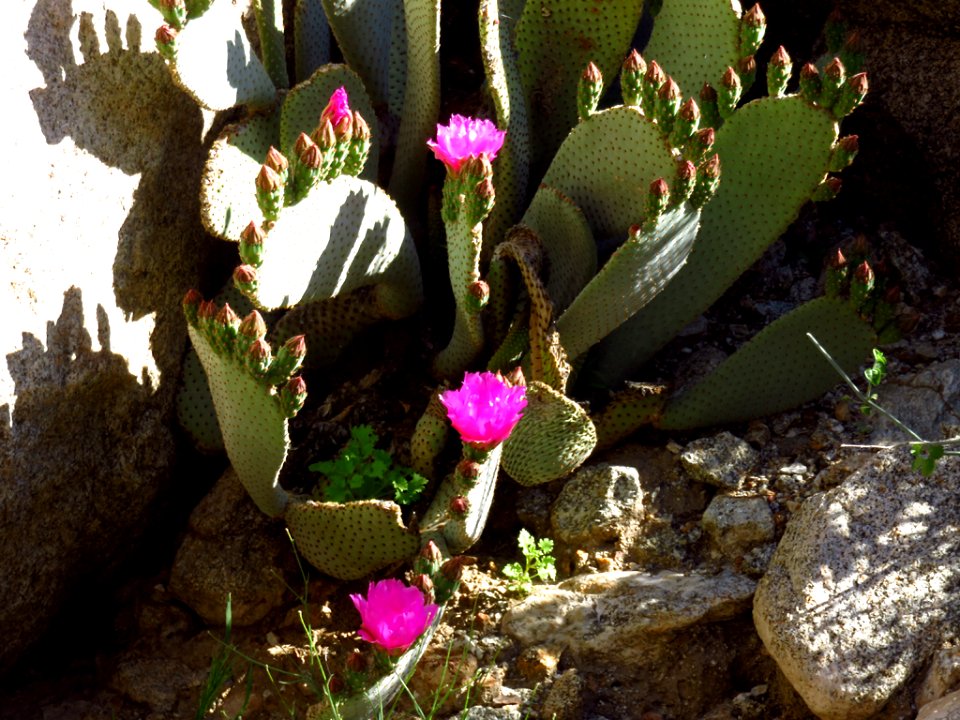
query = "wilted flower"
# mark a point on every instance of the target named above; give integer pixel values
(338, 108)
(485, 409)
(393, 615)
(463, 138)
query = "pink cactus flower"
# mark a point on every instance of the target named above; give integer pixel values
(465, 137)
(393, 615)
(485, 409)
(338, 107)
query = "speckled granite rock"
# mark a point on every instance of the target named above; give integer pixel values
(99, 239)
(863, 584)
(946, 708)
(736, 525)
(657, 639)
(722, 460)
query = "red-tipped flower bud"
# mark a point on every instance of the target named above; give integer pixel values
(357, 662)
(778, 72)
(302, 143)
(251, 244)
(268, 180)
(253, 326)
(852, 93)
(478, 294)
(293, 395)
(468, 470)
(276, 161)
(753, 25)
(191, 305)
(459, 505)
(245, 278)
(631, 78)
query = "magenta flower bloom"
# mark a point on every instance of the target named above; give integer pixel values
(485, 409)
(393, 615)
(338, 107)
(465, 137)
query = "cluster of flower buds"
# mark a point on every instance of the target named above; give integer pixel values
(245, 340)
(174, 12)
(833, 89)
(340, 144)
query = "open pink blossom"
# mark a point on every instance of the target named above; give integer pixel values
(465, 137)
(393, 615)
(338, 107)
(485, 409)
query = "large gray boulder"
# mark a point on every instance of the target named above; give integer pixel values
(863, 585)
(99, 239)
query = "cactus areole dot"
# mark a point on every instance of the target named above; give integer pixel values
(463, 138)
(393, 615)
(485, 409)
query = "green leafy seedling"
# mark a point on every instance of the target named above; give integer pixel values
(362, 472)
(539, 563)
(875, 375)
(925, 456)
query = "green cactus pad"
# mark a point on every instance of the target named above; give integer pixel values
(216, 64)
(552, 439)
(695, 41)
(371, 35)
(774, 153)
(253, 425)
(350, 540)
(498, 19)
(606, 165)
(555, 39)
(195, 409)
(421, 101)
(638, 270)
(429, 437)
(569, 244)
(311, 39)
(304, 103)
(269, 15)
(634, 406)
(228, 200)
(459, 532)
(344, 235)
(779, 369)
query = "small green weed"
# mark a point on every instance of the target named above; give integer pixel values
(925, 453)
(538, 563)
(362, 472)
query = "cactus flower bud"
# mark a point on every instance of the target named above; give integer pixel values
(843, 153)
(310, 168)
(174, 12)
(357, 662)
(686, 123)
(251, 244)
(288, 360)
(478, 294)
(359, 146)
(658, 197)
(709, 110)
(861, 284)
(852, 93)
(729, 92)
(753, 26)
(252, 328)
(337, 107)
(424, 584)
(468, 470)
(459, 505)
(336, 684)
(747, 70)
(269, 192)
(685, 182)
(324, 135)
(245, 278)
(515, 378)
(166, 39)
(778, 72)
(293, 395)
(836, 274)
(258, 357)
(300, 145)
(206, 312)
(699, 145)
(227, 318)
(452, 569)
(191, 305)
(631, 78)
(810, 83)
(827, 190)
(666, 105)
(430, 558)
(708, 179)
(277, 162)
(589, 90)
(653, 79)
(834, 76)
